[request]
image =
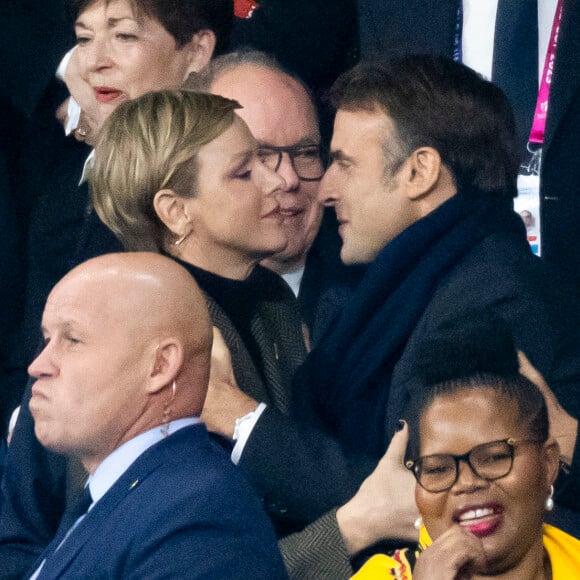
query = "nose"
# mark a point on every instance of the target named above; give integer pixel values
(269, 181)
(43, 365)
(96, 55)
(327, 192)
(288, 173)
(467, 480)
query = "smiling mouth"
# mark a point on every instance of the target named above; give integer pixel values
(482, 521)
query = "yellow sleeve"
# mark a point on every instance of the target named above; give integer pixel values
(564, 553)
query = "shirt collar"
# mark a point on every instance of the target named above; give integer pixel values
(115, 464)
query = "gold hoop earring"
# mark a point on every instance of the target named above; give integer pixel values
(167, 411)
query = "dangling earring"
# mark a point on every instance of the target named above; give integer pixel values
(549, 504)
(418, 523)
(167, 411)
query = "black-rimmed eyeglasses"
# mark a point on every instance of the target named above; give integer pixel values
(306, 160)
(489, 461)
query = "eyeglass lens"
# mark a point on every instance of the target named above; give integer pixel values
(489, 461)
(307, 161)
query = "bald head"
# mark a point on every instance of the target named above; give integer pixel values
(275, 106)
(119, 330)
(152, 294)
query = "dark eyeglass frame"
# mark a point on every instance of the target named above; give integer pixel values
(292, 152)
(414, 465)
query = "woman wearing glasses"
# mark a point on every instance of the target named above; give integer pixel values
(480, 450)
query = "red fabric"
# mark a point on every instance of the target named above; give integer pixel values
(245, 8)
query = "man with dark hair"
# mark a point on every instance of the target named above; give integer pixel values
(419, 200)
(430, 108)
(422, 178)
(510, 42)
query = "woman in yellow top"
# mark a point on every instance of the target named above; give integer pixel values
(484, 462)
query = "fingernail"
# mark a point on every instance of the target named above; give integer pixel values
(400, 425)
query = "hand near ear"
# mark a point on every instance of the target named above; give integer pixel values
(384, 506)
(224, 402)
(563, 427)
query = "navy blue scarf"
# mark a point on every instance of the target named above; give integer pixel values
(344, 384)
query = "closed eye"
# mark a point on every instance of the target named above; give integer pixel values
(436, 469)
(126, 37)
(243, 175)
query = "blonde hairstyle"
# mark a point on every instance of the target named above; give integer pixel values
(149, 144)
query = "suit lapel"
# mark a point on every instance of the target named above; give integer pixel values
(59, 561)
(270, 353)
(277, 331)
(515, 60)
(247, 375)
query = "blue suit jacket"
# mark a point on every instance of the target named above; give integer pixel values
(182, 510)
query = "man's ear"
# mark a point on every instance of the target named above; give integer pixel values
(423, 172)
(166, 364)
(200, 49)
(170, 209)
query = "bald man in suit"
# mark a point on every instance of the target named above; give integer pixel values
(119, 386)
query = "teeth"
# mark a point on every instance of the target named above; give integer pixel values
(475, 514)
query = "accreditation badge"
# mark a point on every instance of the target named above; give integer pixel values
(527, 203)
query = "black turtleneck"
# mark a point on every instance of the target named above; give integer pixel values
(240, 299)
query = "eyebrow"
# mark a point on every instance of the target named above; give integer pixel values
(339, 155)
(304, 142)
(111, 22)
(65, 326)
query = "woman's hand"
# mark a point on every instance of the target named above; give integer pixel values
(455, 555)
(384, 506)
(91, 116)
